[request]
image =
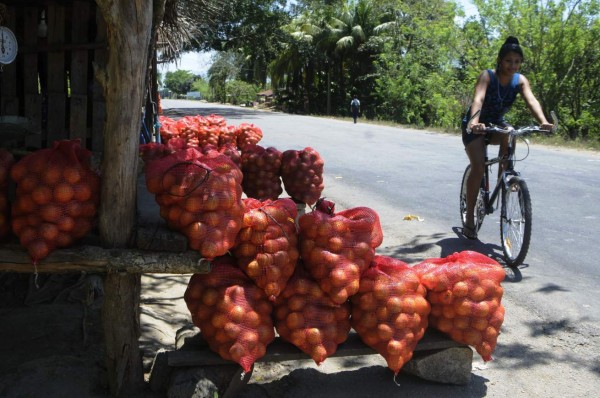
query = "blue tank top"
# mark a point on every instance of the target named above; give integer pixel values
(498, 100)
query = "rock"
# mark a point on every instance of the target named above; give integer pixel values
(451, 365)
(202, 382)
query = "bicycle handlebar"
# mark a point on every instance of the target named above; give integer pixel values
(517, 132)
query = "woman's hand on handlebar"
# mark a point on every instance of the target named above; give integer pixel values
(478, 128)
(546, 126)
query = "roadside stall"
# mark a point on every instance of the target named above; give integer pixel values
(79, 77)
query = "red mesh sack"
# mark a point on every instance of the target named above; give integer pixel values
(188, 129)
(153, 150)
(56, 199)
(465, 295)
(209, 135)
(267, 245)
(302, 174)
(228, 136)
(233, 314)
(260, 167)
(231, 151)
(390, 310)
(338, 248)
(216, 120)
(168, 128)
(6, 162)
(200, 196)
(248, 134)
(306, 317)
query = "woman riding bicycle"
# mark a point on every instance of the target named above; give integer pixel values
(495, 93)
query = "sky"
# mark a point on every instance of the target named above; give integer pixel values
(199, 62)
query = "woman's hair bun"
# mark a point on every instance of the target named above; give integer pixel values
(511, 40)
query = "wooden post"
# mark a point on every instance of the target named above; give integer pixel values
(79, 74)
(56, 76)
(129, 27)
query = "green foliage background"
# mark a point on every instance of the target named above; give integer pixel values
(410, 62)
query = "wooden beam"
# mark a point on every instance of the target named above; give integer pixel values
(98, 260)
(279, 350)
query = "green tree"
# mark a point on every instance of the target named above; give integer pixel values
(240, 92)
(202, 87)
(226, 66)
(417, 75)
(180, 81)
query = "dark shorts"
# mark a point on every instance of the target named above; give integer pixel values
(468, 138)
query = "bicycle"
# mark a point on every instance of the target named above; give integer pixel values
(511, 191)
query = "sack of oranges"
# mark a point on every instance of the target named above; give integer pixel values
(465, 295)
(57, 197)
(233, 314)
(260, 167)
(302, 174)
(306, 317)
(266, 248)
(338, 248)
(200, 195)
(390, 310)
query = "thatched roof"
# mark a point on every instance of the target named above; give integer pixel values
(184, 24)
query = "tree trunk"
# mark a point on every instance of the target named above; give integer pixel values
(129, 29)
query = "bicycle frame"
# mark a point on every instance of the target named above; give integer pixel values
(504, 177)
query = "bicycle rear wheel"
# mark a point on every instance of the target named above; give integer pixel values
(515, 221)
(479, 212)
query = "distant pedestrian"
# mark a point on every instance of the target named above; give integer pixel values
(355, 107)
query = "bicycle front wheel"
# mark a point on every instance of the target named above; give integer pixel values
(479, 211)
(515, 221)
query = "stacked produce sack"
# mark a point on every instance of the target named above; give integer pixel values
(306, 317)
(228, 137)
(390, 311)
(260, 167)
(233, 314)
(6, 162)
(302, 174)
(465, 295)
(267, 245)
(200, 196)
(338, 248)
(57, 197)
(153, 150)
(248, 134)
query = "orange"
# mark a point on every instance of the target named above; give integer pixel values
(48, 231)
(52, 174)
(41, 195)
(66, 224)
(51, 213)
(83, 192)
(38, 249)
(72, 175)
(18, 171)
(63, 192)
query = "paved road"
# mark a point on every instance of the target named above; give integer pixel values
(553, 309)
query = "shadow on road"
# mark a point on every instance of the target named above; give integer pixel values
(227, 112)
(366, 382)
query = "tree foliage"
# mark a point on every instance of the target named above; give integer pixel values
(180, 81)
(409, 61)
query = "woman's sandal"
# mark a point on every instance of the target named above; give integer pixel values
(469, 232)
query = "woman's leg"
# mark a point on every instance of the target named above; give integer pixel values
(476, 153)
